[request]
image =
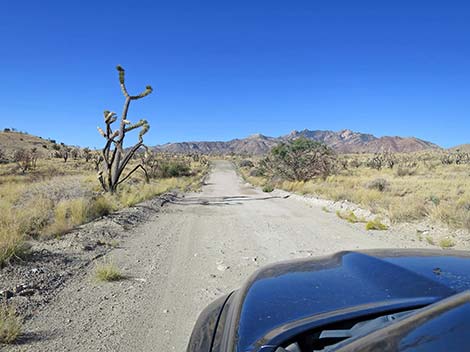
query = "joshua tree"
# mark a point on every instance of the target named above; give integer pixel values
(87, 154)
(34, 157)
(115, 157)
(65, 153)
(75, 153)
(97, 158)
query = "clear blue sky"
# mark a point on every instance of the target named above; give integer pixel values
(224, 69)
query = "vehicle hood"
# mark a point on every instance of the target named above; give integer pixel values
(291, 291)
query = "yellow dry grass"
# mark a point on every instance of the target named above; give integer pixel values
(10, 325)
(107, 272)
(429, 190)
(56, 197)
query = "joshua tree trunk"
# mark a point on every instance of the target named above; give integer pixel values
(115, 157)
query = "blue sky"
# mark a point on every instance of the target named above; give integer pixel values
(223, 69)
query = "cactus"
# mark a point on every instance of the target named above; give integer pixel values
(114, 157)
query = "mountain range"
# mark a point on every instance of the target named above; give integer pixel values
(344, 141)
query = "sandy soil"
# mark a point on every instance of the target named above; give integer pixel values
(183, 257)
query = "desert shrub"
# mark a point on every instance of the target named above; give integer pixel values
(354, 163)
(61, 223)
(101, 206)
(256, 172)
(379, 184)
(446, 243)
(246, 163)
(107, 272)
(376, 224)
(466, 221)
(300, 160)
(380, 160)
(434, 200)
(12, 246)
(71, 213)
(174, 169)
(79, 211)
(407, 209)
(405, 171)
(10, 325)
(268, 188)
(24, 160)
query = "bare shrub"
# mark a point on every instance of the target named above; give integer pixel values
(379, 184)
(246, 163)
(23, 159)
(405, 171)
(256, 172)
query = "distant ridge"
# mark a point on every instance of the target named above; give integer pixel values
(344, 141)
(463, 148)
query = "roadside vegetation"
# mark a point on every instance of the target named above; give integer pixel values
(431, 185)
(108, 272)
(54, 197)
(10, 324)
(47, 188)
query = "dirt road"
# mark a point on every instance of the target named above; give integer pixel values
(184, 257)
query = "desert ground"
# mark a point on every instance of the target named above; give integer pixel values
(197, 247)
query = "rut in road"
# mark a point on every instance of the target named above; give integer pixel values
(183, 258)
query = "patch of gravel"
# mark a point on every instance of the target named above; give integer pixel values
(28, 284)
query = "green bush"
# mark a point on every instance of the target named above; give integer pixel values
(174, 169)
(268, 188)
(300, 160)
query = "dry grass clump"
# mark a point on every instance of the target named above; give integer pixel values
(349, 217)
(10, 324)
(56, 197)
(376, 224)
(132, 194)
(12, 240)
(430, 240)
(108, 272)
(379, 184)
(446, 243)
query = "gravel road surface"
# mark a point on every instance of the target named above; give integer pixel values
(191, 252)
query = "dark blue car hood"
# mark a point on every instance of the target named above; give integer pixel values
(284, 293)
